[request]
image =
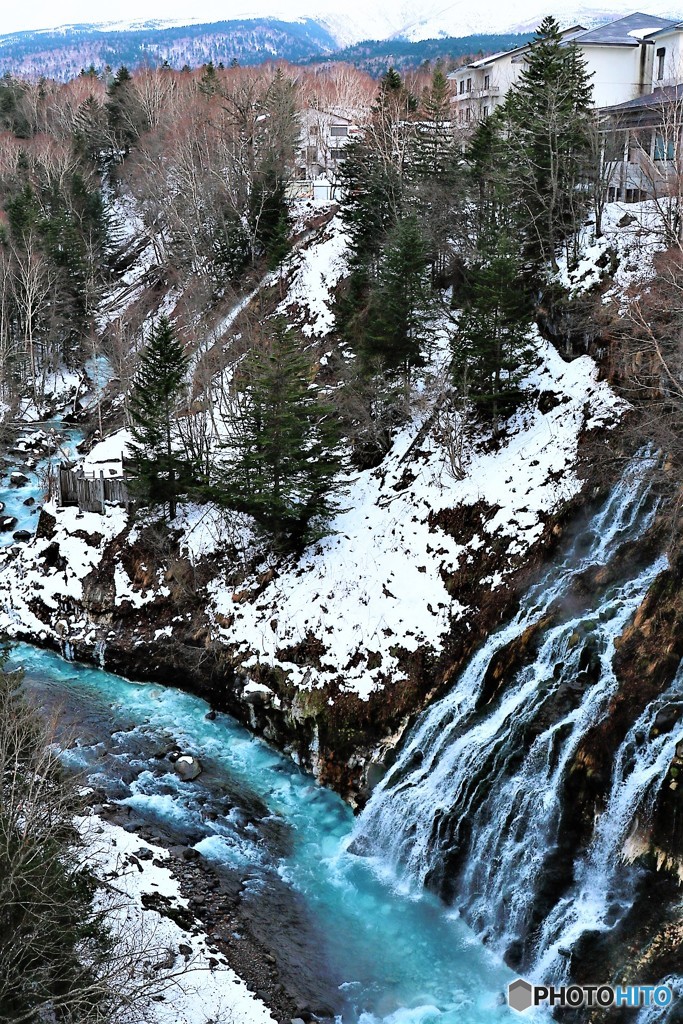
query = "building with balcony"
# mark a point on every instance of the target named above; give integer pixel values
(626, 59)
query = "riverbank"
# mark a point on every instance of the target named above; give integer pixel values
(275, 842)
(191, 974)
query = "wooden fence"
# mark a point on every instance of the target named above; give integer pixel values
(91, 495)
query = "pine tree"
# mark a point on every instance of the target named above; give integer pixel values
(159, 466)
(209, 83)
(435, 176)
(433, 149)
(400, 303)
(492, 351)
(125, 117)
(268, 212)
(282, 459)
(490, 182)
(549, 131)
(269, 215)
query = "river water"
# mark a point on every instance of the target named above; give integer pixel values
(346, 934)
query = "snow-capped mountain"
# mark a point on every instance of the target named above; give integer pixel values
(356, 20)
(433, 19)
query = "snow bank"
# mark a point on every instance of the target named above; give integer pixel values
(107, 456)
(198, 990)
(80, 538)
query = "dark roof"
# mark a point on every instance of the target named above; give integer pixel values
(618, 33)
(651, 101)
(567, 33)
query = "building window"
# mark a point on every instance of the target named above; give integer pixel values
(337, 154)
(469, 85)
(664, 148)
(314, 129)
(462, 86)
(487, 81)
(339, 131)
(485, 111)
(460, 116)
(615, 145)
(311, 154)
(468, 114)
(661, 54)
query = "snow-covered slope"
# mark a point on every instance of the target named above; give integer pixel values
(391, 578)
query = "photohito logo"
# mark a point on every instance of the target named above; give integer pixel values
(522, 995)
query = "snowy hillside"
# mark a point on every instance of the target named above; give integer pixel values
(390, 579)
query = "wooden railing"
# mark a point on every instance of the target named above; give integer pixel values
(91, 494)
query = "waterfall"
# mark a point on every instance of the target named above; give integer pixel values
(99, 652)
(472, 806)
(602, 886)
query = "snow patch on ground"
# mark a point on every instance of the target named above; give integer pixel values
(632, 236)
(197, 991)
(318, 270)
(376, 585)
(29, 573)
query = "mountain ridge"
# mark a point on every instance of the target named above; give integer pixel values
(359, 22)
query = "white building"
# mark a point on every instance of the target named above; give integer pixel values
(478, 88)
(625, 58)
(323, 140)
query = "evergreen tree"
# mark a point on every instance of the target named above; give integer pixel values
(433, 149)
(490, 182)
(492, 351)
(125, 117)
(372, 178)
(159, 466)
(282, 458)
(209, 83)
(550, 131)
(372, 202)
(268, 212)
(435, 175)
(269, 215)
(399, 304)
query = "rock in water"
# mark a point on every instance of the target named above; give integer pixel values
(18, 479)
(22, 536)
(188, 767)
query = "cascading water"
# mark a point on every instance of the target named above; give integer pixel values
(473, 804)
(603, 887)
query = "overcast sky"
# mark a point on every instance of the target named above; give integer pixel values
(30, 14)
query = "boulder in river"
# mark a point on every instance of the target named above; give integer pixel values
(29, 502)
(18, 479)
(8, 523)
(22, 536)
(188, 767)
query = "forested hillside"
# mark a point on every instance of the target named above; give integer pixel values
(63, 54)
